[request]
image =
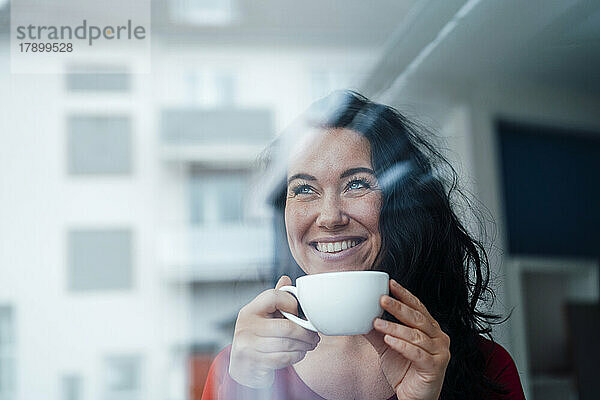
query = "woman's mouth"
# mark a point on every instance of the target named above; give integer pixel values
(336, 247)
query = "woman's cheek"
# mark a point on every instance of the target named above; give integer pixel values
(297, 219)
(366, 210)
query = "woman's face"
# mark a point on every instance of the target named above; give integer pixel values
(333, 203)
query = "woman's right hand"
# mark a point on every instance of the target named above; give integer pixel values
(264, 340)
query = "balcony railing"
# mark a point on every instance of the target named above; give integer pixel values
(226, 137)
(222, 126)
(219, 253)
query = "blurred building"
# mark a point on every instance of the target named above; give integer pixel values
(130, 231)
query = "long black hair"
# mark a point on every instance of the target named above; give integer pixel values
(425, 246)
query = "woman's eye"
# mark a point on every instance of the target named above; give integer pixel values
(303, 189)
(357, 184)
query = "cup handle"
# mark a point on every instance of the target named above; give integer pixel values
(305, 323)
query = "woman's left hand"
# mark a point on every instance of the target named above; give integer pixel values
(413, 356)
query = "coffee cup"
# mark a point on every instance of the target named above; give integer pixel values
(339, 303)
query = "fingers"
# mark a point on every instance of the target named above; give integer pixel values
(278, 344)
(420, 339)
(262, 342)
(282, 360)
(410, 311)
(250, 363)
(409, 316)
(272, 300)
(411, 335)
(421, 358)
(408, 298)
(280, 327)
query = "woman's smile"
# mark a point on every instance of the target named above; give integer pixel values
(338, 250)
(336, 245)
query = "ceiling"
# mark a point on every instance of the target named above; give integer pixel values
(551, 43)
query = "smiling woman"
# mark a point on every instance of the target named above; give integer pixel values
(363, 190)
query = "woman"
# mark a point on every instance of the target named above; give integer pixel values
(366, 182)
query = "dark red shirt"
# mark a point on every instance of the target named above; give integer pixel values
(288, 385)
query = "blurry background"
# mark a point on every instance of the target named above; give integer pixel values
(130, 230)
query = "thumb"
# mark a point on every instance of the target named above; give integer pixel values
(283, 281)
(292, 305)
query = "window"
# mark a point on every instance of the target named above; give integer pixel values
(123, 377)
(72, 387)
(216, 197)
(225, 88)
(98, 82)
(99, 144)
(7, 353)
(100, 259)
(210, 87)
(224, 126)
(551, 179)
(202, 12)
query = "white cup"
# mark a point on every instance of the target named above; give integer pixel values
(339, 303)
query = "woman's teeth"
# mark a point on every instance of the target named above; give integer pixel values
(336, 246)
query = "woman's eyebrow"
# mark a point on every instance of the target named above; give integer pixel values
(301, 176)
(353, 171)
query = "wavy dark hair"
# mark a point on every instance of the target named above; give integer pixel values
(425, 246)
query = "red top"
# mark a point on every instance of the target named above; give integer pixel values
(288, 385)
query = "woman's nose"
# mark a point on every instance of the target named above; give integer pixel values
(331, 215)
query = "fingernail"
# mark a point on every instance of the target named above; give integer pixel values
(379, 323)
(387, 300)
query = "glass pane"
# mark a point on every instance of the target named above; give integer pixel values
(99, 145)
(123, 377)
(99, 82)
(197, 202)
(6, 328)
(216, 197)
(7, 377)
(551, 188)
(229, 194)
(100, 259)
(72, 387)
